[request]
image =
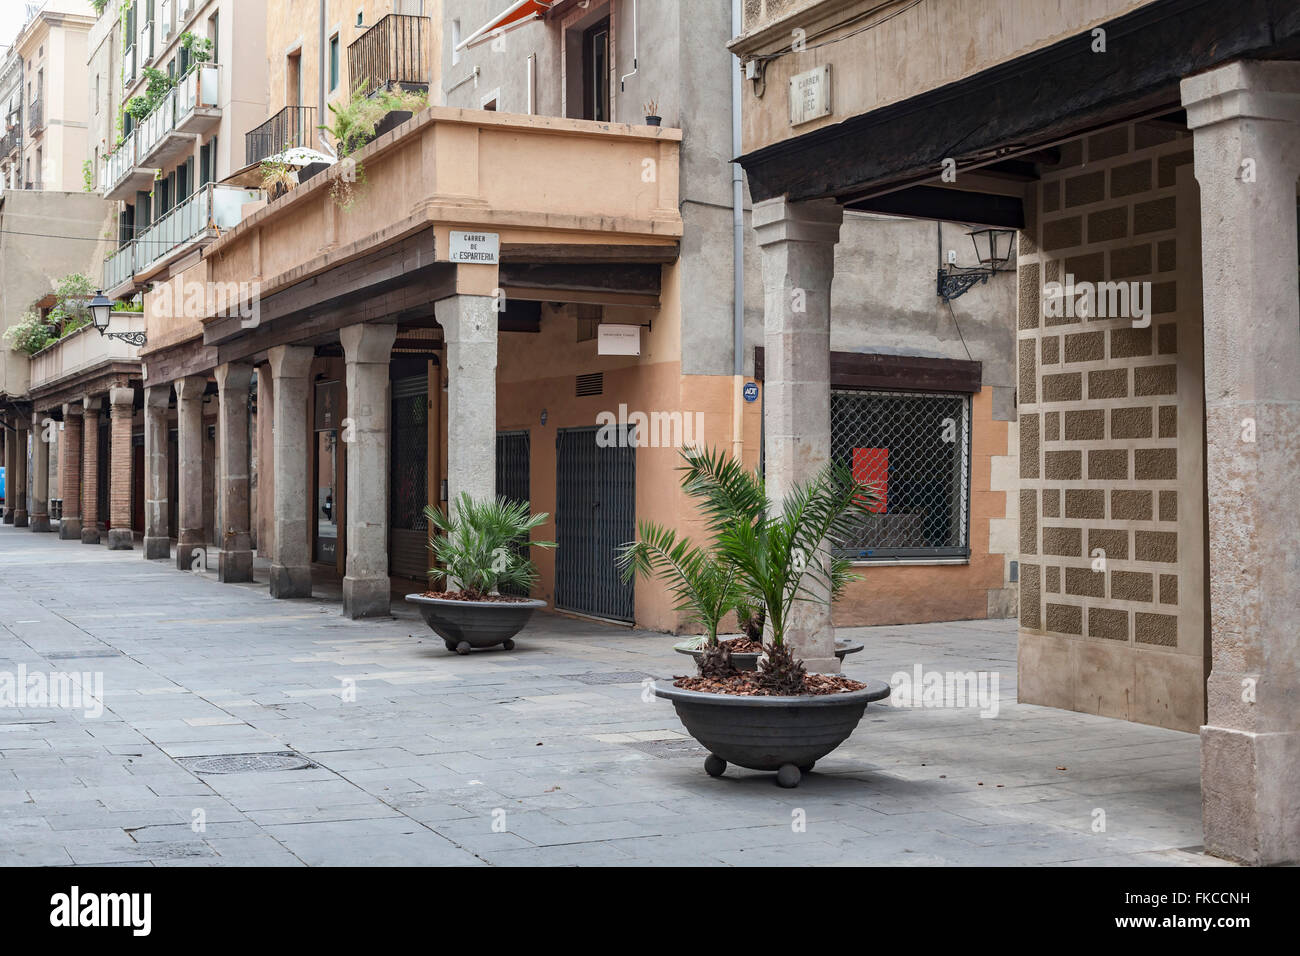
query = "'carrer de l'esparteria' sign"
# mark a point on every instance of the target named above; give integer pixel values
(479, 248)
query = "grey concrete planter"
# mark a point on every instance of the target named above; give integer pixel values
(465, 625)
(785, 734)
(749, 661)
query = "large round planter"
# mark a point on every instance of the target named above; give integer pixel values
(749, 661)
(465, 625)
(785, 734)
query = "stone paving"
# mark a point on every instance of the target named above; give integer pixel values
(545, 755)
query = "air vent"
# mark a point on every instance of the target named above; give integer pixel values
(591, 384)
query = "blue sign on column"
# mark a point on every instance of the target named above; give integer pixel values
(751, 391)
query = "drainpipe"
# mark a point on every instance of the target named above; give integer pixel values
(320, 68)
(737, 252)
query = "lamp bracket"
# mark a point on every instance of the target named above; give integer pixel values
(954, 284)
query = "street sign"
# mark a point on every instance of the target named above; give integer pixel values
(618, 339)
(478, 248)
(751, 391)
(810, 95)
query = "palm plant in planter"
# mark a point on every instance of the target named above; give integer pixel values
(477, 549)
(780, 718)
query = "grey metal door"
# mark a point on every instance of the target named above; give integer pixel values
(595, 514)
(513, 477)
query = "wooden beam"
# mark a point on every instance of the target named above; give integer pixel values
(896, 373)
(581, 252)
(949, 205)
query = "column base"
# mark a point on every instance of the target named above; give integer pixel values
(234, 567)
(121, 539)
(186, 558)
(40, 524)
(1250, 795)
(90, 535)
(20, 519)
(70, 529)
(366, 597)
(290, 582)
(157, 549)
(9, 516)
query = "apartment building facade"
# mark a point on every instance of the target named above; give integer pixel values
(1152, 179)
(11, 122)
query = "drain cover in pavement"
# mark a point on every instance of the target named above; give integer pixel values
(74, 655)
(611, 677)
(248, 763)
(670, 748)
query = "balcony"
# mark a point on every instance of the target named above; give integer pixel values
(11, 141)
(394, 52)
(198, 219)
(123, 174)
(84, 351)
(128, 67)
(189, 108)
(36, 116)
(292, 126)
(165, 22)
(145, 46)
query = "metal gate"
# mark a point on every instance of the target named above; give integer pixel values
(595, 514)
(409, 486)
(513, 478)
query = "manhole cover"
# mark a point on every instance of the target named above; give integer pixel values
(670, 748)
(611, 677)
(248, 763)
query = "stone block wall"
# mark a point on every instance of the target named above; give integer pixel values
(1112, 533)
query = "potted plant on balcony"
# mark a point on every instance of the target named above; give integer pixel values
(477, 549)
(652, 117)
(779, 717)
(362, 120)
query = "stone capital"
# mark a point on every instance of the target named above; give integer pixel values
(1243, 89)
(467, 318)
(72, 409)
(812, 220)
(190, 388)
(121, 395)
(290, 361)
(234, 375)
(368, 344)
(157, 396)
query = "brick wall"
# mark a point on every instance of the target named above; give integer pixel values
(119, 475)
(90, 516)
(70, 466)
(1111, 424)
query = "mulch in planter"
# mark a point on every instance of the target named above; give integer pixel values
(745, 684)
(743, 645)
(462, 596)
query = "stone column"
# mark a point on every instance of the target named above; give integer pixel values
(469, 325)
(11, 468)
(366, 349)
(42, 429)
(157, 541)
(21, 429)
(798, 249)
(291, 459)
(1246, 118)
(189, 494)
(70, 472)
(90, 516)
(122, 413)
(235, 562)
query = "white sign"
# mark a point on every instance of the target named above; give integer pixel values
(810, 95)
(618, 339)
(481, 248)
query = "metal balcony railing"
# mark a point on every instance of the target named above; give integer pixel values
(165, 22)
(391, 53)
(121, 161)
(128, 66)
(158, 123)
(35, 115)
(145, 46)
(292, 126)
(199, 87)
(213, 207)
(11, 140)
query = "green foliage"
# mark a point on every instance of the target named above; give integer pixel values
(88, 176)
(71, 309)
(779, 556)
(137, 107)
(99, 6)
(354, 124)
(200, 47)
(478, 545)
(278, 177)
(29, 334)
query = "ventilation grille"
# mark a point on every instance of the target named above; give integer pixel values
(591, 384)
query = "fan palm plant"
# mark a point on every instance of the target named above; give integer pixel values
(479, 545)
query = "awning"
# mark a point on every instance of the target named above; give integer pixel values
(516, 15)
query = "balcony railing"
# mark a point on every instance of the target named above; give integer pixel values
(391, 53)
(128, 66)
(165, 23)
(292, 126)
(80, 351)
(35, 115)
(198, 89)
(145, 46)
(187, 7)
(11, 140)
(214, 207)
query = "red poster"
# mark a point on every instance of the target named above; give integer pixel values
(871, 467)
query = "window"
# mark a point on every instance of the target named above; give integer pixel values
(334, 62)
(214, 34)
(914, 447)
(455, 42)
(595, 72)
(293, 79)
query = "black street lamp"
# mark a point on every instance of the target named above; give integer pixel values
(992, 250)
(101, 313)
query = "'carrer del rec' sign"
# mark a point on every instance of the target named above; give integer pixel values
(481, 248)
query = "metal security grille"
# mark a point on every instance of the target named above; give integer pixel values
(513, 479)
(409, 476)
(595, 513)
(915, 449)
